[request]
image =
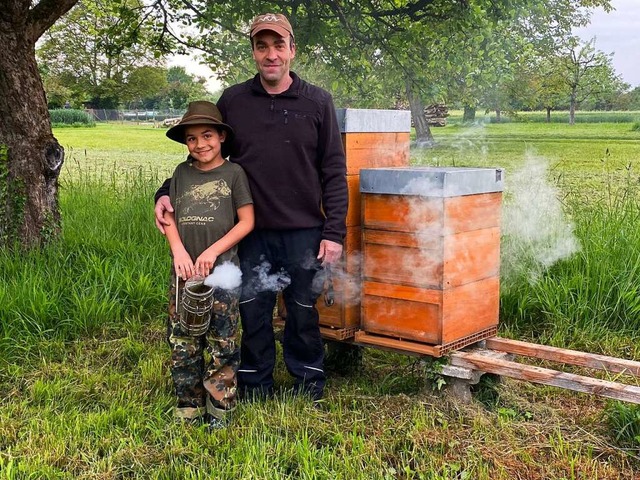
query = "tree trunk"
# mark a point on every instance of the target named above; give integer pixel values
(30, 156)
(498, 115)
(469, 115)
(548, 114)
(572, 110)
(424, 138)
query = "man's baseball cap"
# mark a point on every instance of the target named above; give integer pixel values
(276, 22)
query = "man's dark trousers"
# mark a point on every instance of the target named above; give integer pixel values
(268, 259)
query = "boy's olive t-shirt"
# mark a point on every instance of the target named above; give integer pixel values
(205, 205)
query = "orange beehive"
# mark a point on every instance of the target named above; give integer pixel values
(431, 254)
(371, 138)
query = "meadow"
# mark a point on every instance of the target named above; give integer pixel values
(84, 381)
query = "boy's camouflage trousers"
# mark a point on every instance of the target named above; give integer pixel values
(211, 389)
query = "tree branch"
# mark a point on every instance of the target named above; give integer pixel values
(44, 14)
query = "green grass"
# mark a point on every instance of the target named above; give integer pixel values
(559, 116)
(583, 160)
(120, 148)
(85, 389)
(106, 271)
(572, 150)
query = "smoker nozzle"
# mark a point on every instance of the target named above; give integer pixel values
(328, 287)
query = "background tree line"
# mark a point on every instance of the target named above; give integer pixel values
(85, 61)
(491, 63)
(144, 88)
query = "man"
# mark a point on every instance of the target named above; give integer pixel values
(288, 141)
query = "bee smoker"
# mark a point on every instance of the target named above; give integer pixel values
(194, 310)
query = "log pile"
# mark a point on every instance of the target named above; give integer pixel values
(436, 114)
(170, 122)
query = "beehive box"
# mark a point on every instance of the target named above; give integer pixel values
(431, 254)
(371, 138)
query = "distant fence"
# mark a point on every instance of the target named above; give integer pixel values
(104, 115)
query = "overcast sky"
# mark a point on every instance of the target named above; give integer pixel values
(618, 32)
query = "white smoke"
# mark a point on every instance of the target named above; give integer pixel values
(535, 229)
(273, 282)
(347, 286)
(423, 220)
(420, 186)
(226, 276)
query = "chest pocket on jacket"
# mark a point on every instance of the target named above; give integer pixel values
(296, 117)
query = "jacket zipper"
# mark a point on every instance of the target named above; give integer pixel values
(285, 112)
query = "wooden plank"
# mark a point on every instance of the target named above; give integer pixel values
(470, 308)
(571, 357)
(402, 213)
(354, 209)
(402, 292)
(404, 239)
(375, 150)
(545, 376)
(402, 265)
(472, 212)
(471, 256)
(396, 345)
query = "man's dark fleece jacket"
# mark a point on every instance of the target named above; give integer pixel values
(290, 146)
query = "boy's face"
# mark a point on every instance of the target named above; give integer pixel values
(204, 143)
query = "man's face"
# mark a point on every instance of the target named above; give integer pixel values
(273, 54)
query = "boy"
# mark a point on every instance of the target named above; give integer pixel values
(213, 212)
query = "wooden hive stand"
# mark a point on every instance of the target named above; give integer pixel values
(497, 355)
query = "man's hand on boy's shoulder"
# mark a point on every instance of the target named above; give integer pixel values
(162, 205)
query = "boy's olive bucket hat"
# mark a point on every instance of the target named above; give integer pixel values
(201, 112)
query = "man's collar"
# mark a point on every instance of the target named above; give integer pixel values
(292, 91)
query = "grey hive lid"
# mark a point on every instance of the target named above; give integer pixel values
(361, 120)
(431, 181)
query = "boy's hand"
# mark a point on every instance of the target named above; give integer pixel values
(183, 265)
(205, 262)
(163, 204)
